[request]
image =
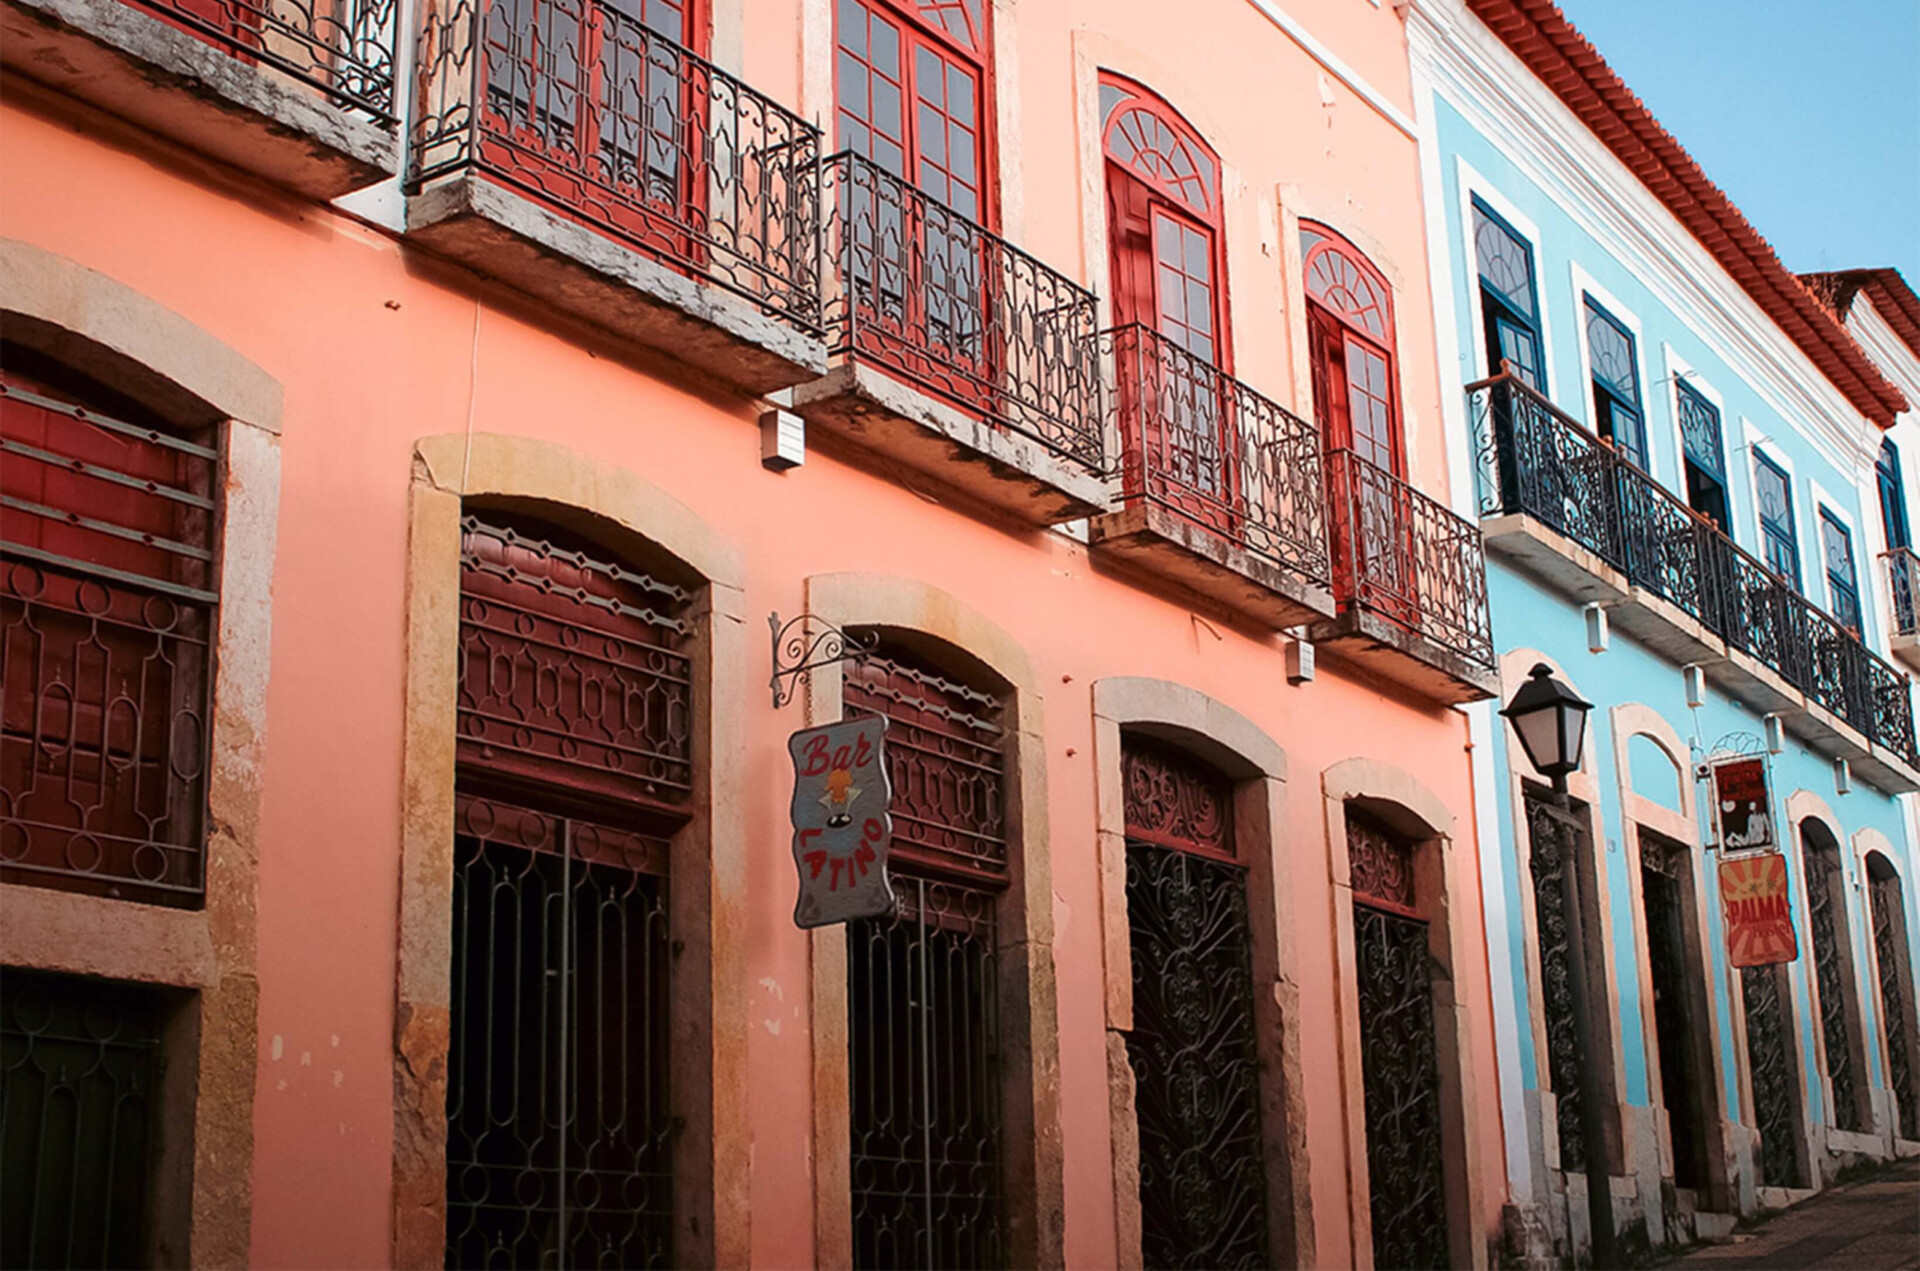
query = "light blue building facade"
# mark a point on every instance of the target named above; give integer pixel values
(1686, 509)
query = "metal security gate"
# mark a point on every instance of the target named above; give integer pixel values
(1826, 919)
(1554, 840)
(1399, 1053)
(573, 770)
(1663, 888)
(1770, 1062)
(923, 985)
(1896, 999)
(79, 1077)
(1203, 1188)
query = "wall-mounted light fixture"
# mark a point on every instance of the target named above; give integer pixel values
(1596, 618)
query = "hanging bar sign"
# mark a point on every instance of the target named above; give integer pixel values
(841, 827)
(1742, 806)
(1753, 899)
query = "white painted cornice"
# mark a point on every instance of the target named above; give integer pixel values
(1883, 344)
(1545, 141)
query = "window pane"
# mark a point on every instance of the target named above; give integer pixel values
(853, 27)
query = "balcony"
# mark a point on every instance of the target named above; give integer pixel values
(1569, 509)
(299, 94)
(605, 170)
(955, 353)
(1903, 587)
(1222, 490)
(1410, 580)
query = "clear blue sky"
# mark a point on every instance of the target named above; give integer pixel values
(1806, 112)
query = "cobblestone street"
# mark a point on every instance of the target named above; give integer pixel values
(1871, 1225)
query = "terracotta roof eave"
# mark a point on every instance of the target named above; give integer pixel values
(1563, 59)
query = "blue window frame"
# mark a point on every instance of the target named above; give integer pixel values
(1843, 583)
(1893, 497)
(1773, 494)
(1617, 415)
(1508, 300)
(1703, 456)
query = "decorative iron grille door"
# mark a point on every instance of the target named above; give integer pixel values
(1554, 839)
(573, 768)
(923, 983)
(1826, 917)
(1203, 1188)
(1896, 1004)
(79, 1078)
(1399, 1053)
(1663, 890)
(1770, 1061)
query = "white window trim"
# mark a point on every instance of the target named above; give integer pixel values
(1471, 186)
(1583, 287)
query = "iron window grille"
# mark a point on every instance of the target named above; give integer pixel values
(109, 599)
(1891, 953)
(583, 107)
(1665, 889)
(1556, 841)
(1192, 1046)
(1770, 1062)
(1534, 461)
(1399, 1050)
(923, 983)
(1827, 924)
(80, 1091)
(574, 769)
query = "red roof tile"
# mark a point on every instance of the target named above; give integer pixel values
(1568, 63)
(1892, 298)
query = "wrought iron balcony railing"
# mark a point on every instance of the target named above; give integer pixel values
(1408, 558)
(1903, 585)
(959, 312)
(1202, 445)
(1537, 462)
(580, 107)
(342, 48)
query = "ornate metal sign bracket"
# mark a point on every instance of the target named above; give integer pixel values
(804, 643)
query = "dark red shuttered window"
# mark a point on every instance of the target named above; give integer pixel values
(923, 995)
(574, 770)
(1203, 1192)
(108, 594)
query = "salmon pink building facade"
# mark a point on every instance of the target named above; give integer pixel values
(450, 448)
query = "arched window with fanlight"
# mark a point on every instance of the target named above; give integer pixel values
(1350, 333)
(1163, 222)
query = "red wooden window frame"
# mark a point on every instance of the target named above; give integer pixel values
(1341, 318)
(929, 26)
(521, 147)
(1159, 172)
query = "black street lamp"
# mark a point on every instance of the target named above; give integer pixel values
(1551, 721)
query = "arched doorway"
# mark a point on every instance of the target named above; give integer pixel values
(1192, 1048)
(1399, 1047)
(1894, 956)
